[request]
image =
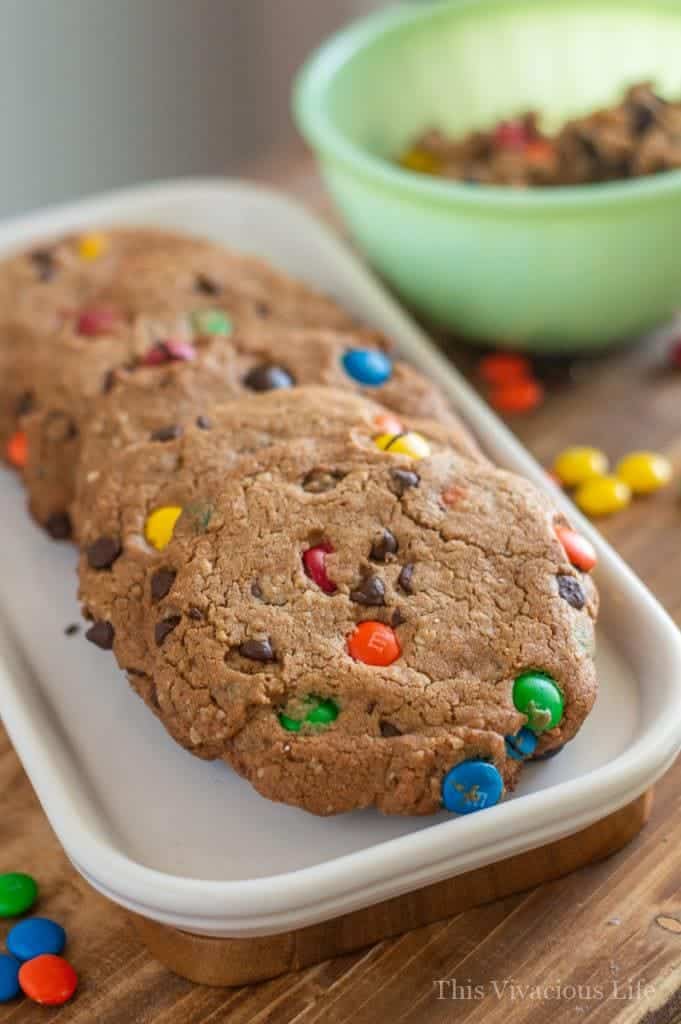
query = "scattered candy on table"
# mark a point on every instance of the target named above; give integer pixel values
(471, 786)
(17, 449)
(368, 366)
(511, 380)
(18, 893)
(517, 396)
(48, 979)
(160, 525)
(34, 936)
(374, 643)
(504, 368)
(411, 444)
(9, 977)
(603, 495)
(575, 465)
(644, 472)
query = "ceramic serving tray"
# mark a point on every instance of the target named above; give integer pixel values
(190, 844)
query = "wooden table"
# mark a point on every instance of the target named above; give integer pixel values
(614, 929)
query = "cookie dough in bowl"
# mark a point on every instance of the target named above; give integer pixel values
(348, 615)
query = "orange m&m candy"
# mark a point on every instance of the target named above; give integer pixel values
(386, 423)
(374, 643)
(578, 549)
(517, 396)
(17, 449)
(504, 367)
(48, 980)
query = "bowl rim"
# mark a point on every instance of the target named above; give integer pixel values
(310, 91)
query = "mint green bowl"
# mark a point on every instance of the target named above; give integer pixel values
(573, 268)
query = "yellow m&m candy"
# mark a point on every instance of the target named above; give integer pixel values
(411, 444)
(575, 465)
(603, 495)
(644, 472)
(160, 525)
(91, 246)
(420, 160)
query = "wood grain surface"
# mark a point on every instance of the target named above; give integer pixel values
(602, 945)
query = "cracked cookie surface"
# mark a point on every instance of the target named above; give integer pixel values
(340, 622)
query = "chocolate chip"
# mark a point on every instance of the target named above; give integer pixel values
(262, 309)
(162, 629)
(108, 381)
(24, 404)
(371, 591)
(136, 672)
(257, 650)
(161, 583)
(44, 264)
(266, 377)
(203, 423)
(388, 729)
(548, 754)
(256, 590)
(571, 590)
(642, 118)
(103, 553)
(59, 527)
(58, 427)
(170, 433)
(196, 614)
(384, 546)
(206, 286)
(72, 629)
(101, 634)
(404, 580)
(403, 480)
(397, 618)
(320, 480)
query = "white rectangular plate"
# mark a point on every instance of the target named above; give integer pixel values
(189, 843)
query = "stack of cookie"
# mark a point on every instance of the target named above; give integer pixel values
(294, 548)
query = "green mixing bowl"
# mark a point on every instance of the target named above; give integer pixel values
(570, 268)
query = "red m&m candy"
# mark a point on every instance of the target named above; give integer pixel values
(374, 643)
(92, 322)
(314, 563)
(48, 979)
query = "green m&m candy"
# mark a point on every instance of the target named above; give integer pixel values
(537, 695)
(320, 712)
(18, 893)
(211, 321)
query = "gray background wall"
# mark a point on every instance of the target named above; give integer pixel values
(102, 93)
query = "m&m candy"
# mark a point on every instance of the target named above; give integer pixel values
(321, 713)
(160, 525)
(374, 643)
(517, 396)
(504, 368)
(18, 893)
(578, 549)
(34, 936)
(17, 449)
(212, 321)
(92, 322)
(314, 563)
(522, 745)
(172, 350)
(420, 160)
(92, 246)
(9, 977)
(387, 423)
(411, 444)
(48, 979)
(644, 472)
(603, 495)
(471, 786)
(368, 366)
(536, 695)
(575, 465)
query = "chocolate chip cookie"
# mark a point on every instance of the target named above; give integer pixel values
(348, 615)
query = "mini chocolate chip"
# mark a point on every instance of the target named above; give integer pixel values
(371, 707)
(262, 309)
(257, 650)
(162, 629)
(571, 590)
(256, 590)
(103, 553)
(72, 629)
(384, 546)
(320, 480)
(642, 118)
(170, 433)
(59, 527)
(206, 286)
(161, 582)
(403, 479)
(404, 580)
(196, 614)
(388, 729)
(371, 591)
(266, 377)
(44, 264)
(24, 404)
(108, 381)
(101, 634)
(589, 146)
(203, 423)
(136, 672)
(397, 618)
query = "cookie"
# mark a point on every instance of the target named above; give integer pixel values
(346, 617)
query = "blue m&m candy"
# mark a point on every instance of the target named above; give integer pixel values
(522, 745)
(9, 978)
(35, 936)
(368, 366)
(471, 786)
